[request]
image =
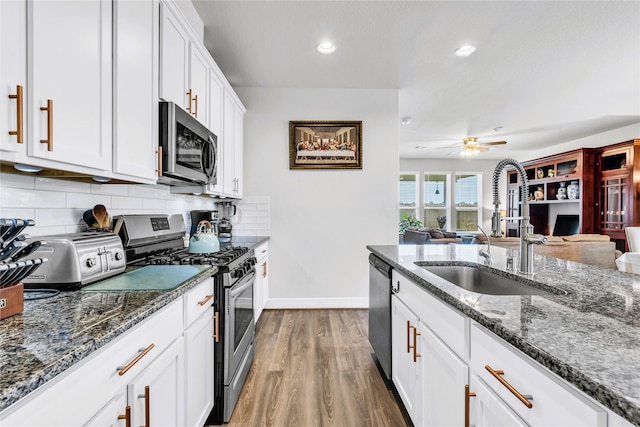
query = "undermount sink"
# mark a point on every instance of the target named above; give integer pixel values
(483, 281)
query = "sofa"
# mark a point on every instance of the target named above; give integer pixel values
(593, 249)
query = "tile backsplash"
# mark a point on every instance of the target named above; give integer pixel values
(57, 205)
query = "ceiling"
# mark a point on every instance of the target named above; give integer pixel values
(546, 72)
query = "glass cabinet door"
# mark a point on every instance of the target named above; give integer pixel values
(613, 202)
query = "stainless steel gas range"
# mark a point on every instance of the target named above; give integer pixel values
(157, 240)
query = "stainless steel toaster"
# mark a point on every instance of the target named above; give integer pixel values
(76, 260)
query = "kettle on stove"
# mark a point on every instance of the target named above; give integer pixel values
(204, 240)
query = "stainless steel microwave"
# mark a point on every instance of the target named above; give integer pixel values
(189, 149)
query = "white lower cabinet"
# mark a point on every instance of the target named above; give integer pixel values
(444, 378)
(437, 351)
(156, 395)
(159, 373)
(404, 366)
(261, 284)
(487, 410)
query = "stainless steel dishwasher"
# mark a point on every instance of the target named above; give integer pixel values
(380, 312)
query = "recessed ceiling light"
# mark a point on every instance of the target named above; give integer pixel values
(326, 48)
(405, 120)
(465, 50)
(497, 128)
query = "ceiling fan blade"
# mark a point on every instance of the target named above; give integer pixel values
(481, 148)
(494, 143)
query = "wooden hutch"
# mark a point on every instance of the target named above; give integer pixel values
(608, 179)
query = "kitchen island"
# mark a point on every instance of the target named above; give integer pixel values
(589, 337)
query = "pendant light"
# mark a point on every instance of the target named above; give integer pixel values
(437, 187)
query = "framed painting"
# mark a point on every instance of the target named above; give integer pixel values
(325, 145)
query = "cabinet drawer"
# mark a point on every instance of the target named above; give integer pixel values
(446, 322)
(554, 401)
(77, 394)
(262, 250)
(197, 301)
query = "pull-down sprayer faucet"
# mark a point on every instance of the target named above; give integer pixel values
(527, 238)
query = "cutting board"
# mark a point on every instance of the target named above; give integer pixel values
(149, 278)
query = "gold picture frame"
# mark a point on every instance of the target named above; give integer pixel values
(325, 145)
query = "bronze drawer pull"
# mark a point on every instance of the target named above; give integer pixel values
(147, 406)
(216, 334)
(126, 417)
(467, 404)
(206, 298)
(498, 375)
(49, 110)
(143, 352)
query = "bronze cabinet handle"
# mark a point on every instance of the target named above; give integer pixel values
(416, 334)
(190, 93)
(498, 375)
(206, 298)
(147, 405)
(216, 335)
(143, 351)
(467, 395)
(264, 269)
(126, 416)
(49, 110)
(159, 170)
(409, 336)
(19, 120)
(196, 99)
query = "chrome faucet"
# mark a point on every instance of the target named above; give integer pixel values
(484, 254)
(527, 238)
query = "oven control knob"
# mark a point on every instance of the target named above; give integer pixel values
(91, 262)
(118, 256)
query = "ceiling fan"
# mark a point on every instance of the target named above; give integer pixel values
(471, 146)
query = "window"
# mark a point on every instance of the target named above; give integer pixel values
(467, 197)
(439, 201)
(408, 195)
(435, 199)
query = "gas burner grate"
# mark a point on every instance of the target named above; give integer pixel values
(184, 257)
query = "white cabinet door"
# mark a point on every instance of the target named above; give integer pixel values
(487, 410)
(228, 137)
(198, 82)
(215, 105)
(444, 378)
(174, 57)
(13, 73)
(135, 120)
(69, 70)
(113, 414)
(156, 396)
(199, 369)
(404, 365)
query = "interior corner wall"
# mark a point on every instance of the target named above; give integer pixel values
(322, 220)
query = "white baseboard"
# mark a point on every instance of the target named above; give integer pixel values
(317, 303)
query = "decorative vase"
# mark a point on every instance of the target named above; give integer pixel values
(442, 223)
(573, 190)
(540, 173)
(562, 191)
(539, 194)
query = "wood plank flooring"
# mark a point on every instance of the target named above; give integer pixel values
(314, 368)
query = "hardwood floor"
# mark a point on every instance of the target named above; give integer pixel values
(314, 368)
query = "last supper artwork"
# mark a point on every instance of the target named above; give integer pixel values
(325, 145)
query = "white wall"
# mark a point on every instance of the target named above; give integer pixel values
(322, 220)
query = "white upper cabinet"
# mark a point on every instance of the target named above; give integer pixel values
(13, 74)
(135, 120)
(232, 132)
(198, 82)
(69, 80)
(174, 58)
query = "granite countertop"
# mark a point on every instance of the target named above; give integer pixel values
(52, 334)
(590, 336)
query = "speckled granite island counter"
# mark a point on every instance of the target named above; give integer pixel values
(53, 334)
(589, 337)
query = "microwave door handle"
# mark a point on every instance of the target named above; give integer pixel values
(205, 160)
(215, 157)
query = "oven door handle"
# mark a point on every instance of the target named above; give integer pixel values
(244, 283)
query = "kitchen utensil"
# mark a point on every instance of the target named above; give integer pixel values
(16, 271)
(27, 250)
(12, 248)
(97, 217)
(204, 240)
(13, 231)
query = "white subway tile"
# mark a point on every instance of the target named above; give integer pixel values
(153, 204)
(16, 180)
(87, 200)
(46, 231)
(126, 202)
(24, 213)
(59, 217)
(110, 189)
(20, 198)
(68, 186)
